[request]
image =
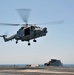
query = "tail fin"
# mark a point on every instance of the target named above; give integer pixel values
(4, 37)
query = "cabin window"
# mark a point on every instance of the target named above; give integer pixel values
(27, 31)
(32, 27)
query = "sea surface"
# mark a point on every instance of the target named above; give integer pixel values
(24, 65)
(68, 65)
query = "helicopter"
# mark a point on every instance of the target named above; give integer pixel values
(27, 31)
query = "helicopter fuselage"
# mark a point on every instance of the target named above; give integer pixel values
(30, 32)
(27, 33)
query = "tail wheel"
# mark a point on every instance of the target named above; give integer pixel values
(16, 41)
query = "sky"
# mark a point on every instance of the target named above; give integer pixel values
(57, 44)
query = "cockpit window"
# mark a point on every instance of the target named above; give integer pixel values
(22, 27)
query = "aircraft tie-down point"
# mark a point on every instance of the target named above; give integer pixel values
(27, 31)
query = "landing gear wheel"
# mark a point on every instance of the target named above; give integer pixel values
(16, 42)
(34, 40)
(29, 44)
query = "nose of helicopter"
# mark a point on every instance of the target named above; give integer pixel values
(45, 30)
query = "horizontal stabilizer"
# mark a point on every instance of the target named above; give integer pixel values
(3, 35)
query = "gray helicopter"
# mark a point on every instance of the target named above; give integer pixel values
(27, 31)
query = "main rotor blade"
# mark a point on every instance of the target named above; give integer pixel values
(8, 24)
(24, 13)
(55, 22)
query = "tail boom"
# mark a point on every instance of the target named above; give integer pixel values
(7, 39)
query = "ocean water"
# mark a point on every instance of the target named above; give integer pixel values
(20, 65)
(68, 65)
(24, 65)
